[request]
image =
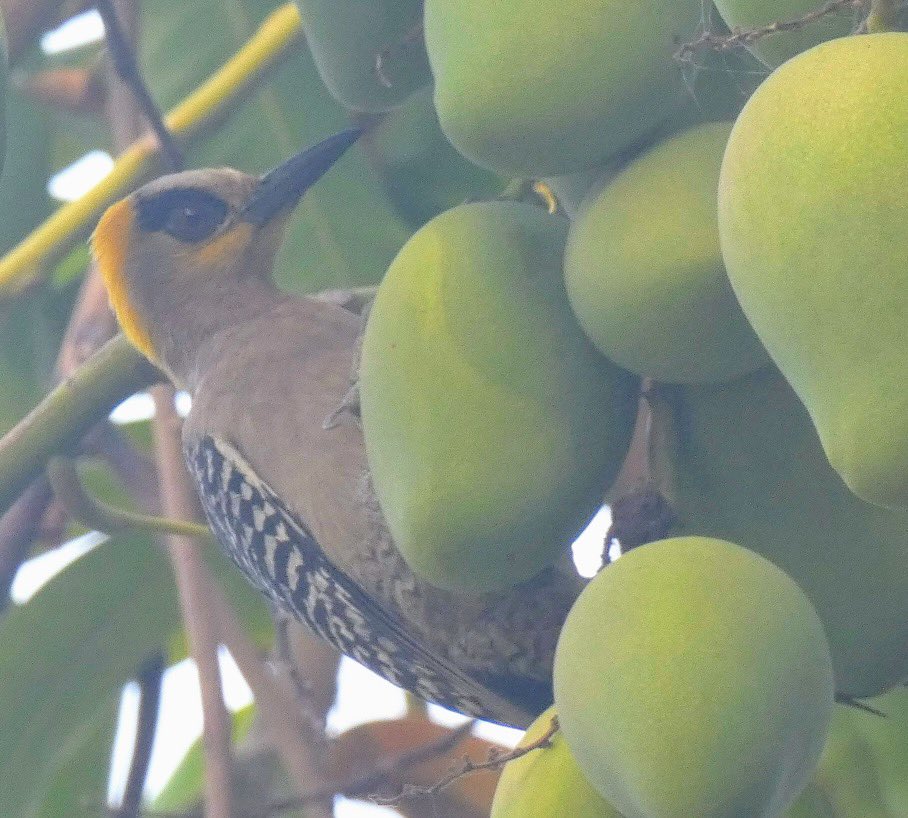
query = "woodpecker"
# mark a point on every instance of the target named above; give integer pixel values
(187, 260)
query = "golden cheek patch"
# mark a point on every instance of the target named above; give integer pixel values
(221, 251)
(109, 242)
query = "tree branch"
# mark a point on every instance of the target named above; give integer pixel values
(99, 516)
(495, 761)
(18, 528)
(71, 223)
(25, 20)
(282, 721)
(68, 412)
(383, 774)
(124, 59)
(150, 676)
(179, 500)
(742, 37)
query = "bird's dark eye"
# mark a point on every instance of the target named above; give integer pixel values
(188, 214)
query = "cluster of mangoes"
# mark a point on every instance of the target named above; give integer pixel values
(745, 256)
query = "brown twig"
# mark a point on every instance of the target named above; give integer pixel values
(283, 724)
(378, 777)
(149, 678)
(178, 501)
(18, 528)
(123, 56)
(25, 20)
(741, 37)
(495, 761)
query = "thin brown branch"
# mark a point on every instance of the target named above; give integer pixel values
(150, 676)
(283, 725)
(178, 501)
(124, 59)
(742, 37)
(25, 20)
(18, 528)
(379, 777)
(495, 761)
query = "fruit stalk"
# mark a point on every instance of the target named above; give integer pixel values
(883, 16)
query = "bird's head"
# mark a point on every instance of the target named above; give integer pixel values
(199, 231)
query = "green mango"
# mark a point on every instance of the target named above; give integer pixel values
(813, 220)
(421, 172)
(774, 49)
(887, 738)
(846, 783)
(369, 53)
(693, 678)
(547, 783)
(534, 88)
(644, 271)
(750, 469)
(492, 426)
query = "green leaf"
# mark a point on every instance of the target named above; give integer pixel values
(23, 185)
(75, 644)
(79, 785)
(72, 646)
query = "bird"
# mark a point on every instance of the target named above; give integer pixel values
(187, 260)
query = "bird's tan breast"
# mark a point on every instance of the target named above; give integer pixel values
(267, 388)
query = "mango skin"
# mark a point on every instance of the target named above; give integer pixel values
(345, 38)
(531, 88)
(750, 469)
(644, 271)
(777, 48)
(888, 739)
(547, 783)
(421, 172)
(813, 220)
(846, 783)
(693, 678)
(492, 426)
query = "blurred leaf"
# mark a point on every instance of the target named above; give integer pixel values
(31, 324)
(184, 790)
(75, 644)
(23, 194)
(345, 232)
(80, 783)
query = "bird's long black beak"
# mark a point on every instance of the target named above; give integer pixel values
(283, 187)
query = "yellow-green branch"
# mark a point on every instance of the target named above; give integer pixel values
(61, 420)
(72, 222)
(99, 516)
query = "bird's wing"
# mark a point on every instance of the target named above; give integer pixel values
(278, 553)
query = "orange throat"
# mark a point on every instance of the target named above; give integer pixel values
(110, 242)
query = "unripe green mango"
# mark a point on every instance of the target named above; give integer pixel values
(421, 172)
(492, 426)
(535, 88)
(751, 469)
(813, 219)
(547, 783)
(693, 678)
(644, 271)
(369, 53)
(774, 49)
(846, 783)
(888, 740)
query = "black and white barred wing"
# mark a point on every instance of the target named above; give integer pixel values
(279, 555)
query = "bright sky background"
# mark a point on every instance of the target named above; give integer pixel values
(362, 696)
